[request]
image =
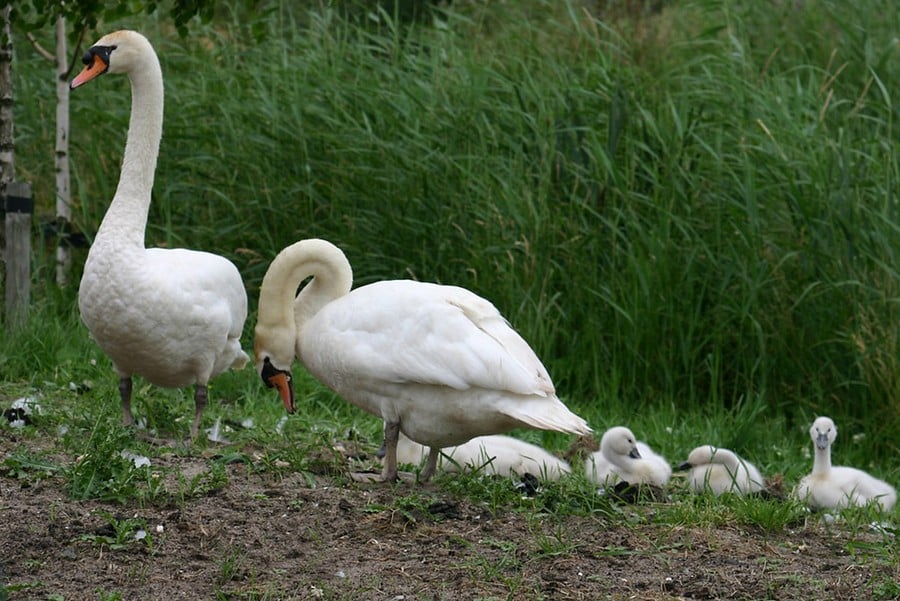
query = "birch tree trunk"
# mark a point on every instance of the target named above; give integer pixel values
(7, 147)
(63, 196)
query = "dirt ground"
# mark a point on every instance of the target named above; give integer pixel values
(262, 537)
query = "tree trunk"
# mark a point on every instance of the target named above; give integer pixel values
(7, 154)
(63, 196)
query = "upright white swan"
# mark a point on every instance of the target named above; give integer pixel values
(721, 471)
(173, 317)
(494, 455)
(623, 458)
(830, 487)
(437, 362)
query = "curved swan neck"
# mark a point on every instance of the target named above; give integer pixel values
(321, 260)
(126, 218)
(727, 458)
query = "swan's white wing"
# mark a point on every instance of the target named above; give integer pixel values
(857, 484)
(205, 287)
(173, 317)
(403, 331)
(656, 468)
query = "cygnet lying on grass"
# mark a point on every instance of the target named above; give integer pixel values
(623, 458)
(721, 471)
(830, 487)
(492, 455)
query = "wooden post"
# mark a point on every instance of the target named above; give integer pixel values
(19, 207)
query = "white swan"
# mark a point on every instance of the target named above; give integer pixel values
(830, 487)
(437, 362)
(721, 471)
(494, 455)
(624, 458)
(173, 317)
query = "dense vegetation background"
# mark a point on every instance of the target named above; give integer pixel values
(690, 206)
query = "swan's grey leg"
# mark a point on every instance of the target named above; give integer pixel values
(125, 393)
(391, 437)
(430, 465)
(200, 396)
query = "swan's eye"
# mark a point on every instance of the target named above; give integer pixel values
(102, 52)
(269, 370)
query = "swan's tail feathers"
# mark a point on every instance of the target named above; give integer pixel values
(240, 360)
(544, 416)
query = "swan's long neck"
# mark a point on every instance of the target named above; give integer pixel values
(331, 275)
(126, 218)
(822, 459)
(621, 461)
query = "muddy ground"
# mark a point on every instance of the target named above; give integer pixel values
(261, 536)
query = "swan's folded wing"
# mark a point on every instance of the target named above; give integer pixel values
(402, 331)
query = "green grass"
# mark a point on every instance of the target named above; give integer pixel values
(691, 215)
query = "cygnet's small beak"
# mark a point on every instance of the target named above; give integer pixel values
(683, 466)
(634, 454)
(822, 440)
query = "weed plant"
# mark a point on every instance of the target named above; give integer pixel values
(691, 215)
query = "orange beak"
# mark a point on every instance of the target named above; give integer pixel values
(93, 69)
(281, 381)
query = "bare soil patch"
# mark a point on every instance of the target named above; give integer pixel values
(262, 537)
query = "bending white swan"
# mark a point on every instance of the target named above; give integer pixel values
(173, 317)
(830, 487)
(721, 471)
(624, 458)
(437, 362)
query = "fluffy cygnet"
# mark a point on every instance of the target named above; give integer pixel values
(830, 487)
(624, 458)
(721, 471)
(495, 454)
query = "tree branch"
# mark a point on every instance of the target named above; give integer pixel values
(76, 55)
(40, 49)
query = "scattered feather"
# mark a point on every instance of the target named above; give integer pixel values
(279, 427)
(214, 434)
(138, 460)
